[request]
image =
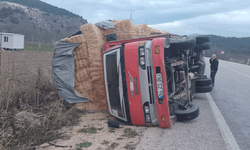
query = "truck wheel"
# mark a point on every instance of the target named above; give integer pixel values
(190, 113)
(182, 43)
(200, 82)
(204, 89)
(200, 47)
(202, 39)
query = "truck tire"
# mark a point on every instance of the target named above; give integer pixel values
(200, 47)
(200, 82)
(187, 114)
(182, 43)
(202, 39)
(204, 89)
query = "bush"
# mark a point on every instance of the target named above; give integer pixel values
(19, 11)
(14, 20)
(32, 113)
(5, 12)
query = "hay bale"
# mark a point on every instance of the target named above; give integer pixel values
(75, 39)
(98, 105)
(126, 30)
(81, 75)
(82, 63)
(81, 52)
(88, 58)
(124, 25)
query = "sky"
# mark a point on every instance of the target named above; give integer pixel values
(229, 18)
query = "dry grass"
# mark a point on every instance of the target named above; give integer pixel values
(84, 144)
(112, 130)
(113, 145)
(130, 146)
(129, 133)
(91, 130)
(105, 142)
(31, 112)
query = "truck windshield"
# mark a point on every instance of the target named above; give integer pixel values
(112, 73)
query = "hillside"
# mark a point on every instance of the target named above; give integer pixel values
(44, 7)
(236, 49)
(231, 44)
(37, 20)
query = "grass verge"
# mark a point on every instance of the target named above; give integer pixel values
(35, 46)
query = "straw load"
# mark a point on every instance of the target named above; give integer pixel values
(88, 58)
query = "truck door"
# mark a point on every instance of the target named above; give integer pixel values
(113, 81)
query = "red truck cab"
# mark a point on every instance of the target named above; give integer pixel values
(139, 89)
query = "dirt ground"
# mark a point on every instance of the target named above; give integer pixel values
(23, 65)
(93, 128)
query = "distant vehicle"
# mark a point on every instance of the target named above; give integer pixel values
(11, 41)
(150, 80)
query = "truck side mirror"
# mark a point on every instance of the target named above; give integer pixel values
(111, 37)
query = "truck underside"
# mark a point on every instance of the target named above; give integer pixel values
(160, 86)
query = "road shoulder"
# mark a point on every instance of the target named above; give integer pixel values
(201, 133)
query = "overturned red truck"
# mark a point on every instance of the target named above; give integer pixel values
(150, 80)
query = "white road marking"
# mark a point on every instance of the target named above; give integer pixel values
(225, 131)
(235, 71)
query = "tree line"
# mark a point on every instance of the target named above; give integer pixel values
(6, 12)
(231, 45)
(235, 49)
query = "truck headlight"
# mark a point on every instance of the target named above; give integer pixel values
(148, 119)
(141, 55)
(160, 89)
(142, 61)
(146, 109)
(142, 52)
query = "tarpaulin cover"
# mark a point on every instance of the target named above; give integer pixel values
(105, 24)
(63, 63)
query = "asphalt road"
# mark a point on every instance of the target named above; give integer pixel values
(231, 94)
(224, 120)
